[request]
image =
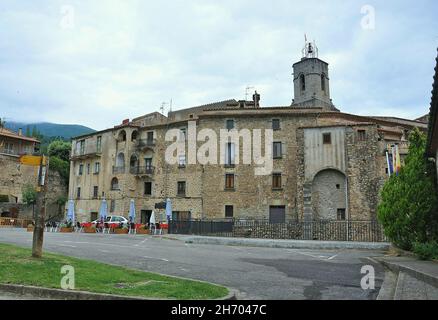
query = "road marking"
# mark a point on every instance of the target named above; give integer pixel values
(138, 244)
(147, 257)
(332, 257)
(65, 245)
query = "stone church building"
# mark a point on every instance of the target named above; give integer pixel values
(326, 164)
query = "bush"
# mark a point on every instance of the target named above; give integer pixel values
(426, 251)
(409, 201)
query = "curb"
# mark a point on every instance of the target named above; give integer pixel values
(396, 268)
(287, 244)
(59, 294)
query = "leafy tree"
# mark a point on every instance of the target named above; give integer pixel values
(60, 149)
(408, 207)
(30, 196)
(61, 166)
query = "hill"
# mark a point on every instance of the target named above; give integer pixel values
(66, 131)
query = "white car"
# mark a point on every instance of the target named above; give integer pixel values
(113, 219)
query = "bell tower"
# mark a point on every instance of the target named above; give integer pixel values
(311, 80)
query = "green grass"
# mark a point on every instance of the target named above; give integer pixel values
(18, 267)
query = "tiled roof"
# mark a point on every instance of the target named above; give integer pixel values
(11, 134)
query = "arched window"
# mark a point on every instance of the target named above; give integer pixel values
(122, 135)
(323, 82)
(120, 162)
(115, 184)
(134, 135)
(133, 161)
(303, 82)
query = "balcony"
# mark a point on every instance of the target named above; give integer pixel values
(15, 153)
(86, 153)
(119, 170)
(142, 171)
(145, 143)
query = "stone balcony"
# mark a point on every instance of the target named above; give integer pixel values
(86, 153)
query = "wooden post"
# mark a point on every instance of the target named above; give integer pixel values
(40, 214)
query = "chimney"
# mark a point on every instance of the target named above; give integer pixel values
(125, 122)
(256, 99)
(20, 131)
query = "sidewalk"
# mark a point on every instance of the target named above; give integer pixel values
(412, 279)
(285, 244)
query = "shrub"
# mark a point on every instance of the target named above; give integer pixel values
(409, 200)
(61, 166)
(426, 251)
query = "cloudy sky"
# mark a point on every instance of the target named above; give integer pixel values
(98, 62)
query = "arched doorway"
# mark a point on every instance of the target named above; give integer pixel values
(329, 195)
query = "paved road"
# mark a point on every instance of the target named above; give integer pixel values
(258, 273)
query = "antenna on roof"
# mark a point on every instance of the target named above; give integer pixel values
(247, 92)
(163, 104)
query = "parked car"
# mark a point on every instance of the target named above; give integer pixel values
(113, 220)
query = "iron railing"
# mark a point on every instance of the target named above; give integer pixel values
(119, 170)
(142, 143)
(323, 230)
(142, 170)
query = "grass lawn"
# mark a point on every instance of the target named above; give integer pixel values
(18, 267)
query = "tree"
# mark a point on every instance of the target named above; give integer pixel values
(60, 149)
(409, 201)
(30, 196)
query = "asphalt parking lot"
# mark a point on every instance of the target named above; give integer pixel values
(257, 273)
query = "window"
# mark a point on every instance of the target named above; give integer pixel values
(326, 138)
(275, 124)
(134, 135)
(361, 135)
(93, 216)
(148, 188)
(230, 124)
(150, 137)
(148, 163)
(88, 168)
(182, 161)
(338, 186)
(322, 82)
(303, 82)
(95, 192)
(112, 205)
(96, 167)
(115, 184)
(99, 144)
(277, 150)
(229, 211)
(82, 147)
(122, 135)
(229, 181)
(181, 188)
(78, 193)
(341, 214)
(276, 181)
(81, 169)
(230, 154)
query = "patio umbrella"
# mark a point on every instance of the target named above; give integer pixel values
(152, 218)
(168, 209)
(132, 210)
(71, 211)
(103, 210)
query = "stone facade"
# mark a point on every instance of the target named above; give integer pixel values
(14, 176)
(313, 179)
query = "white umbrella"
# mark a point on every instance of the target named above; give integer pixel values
(152, 219)
(168, 209)
(132, 210)
(71, 211)
(103, 211)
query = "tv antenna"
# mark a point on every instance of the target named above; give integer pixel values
(247, 92)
